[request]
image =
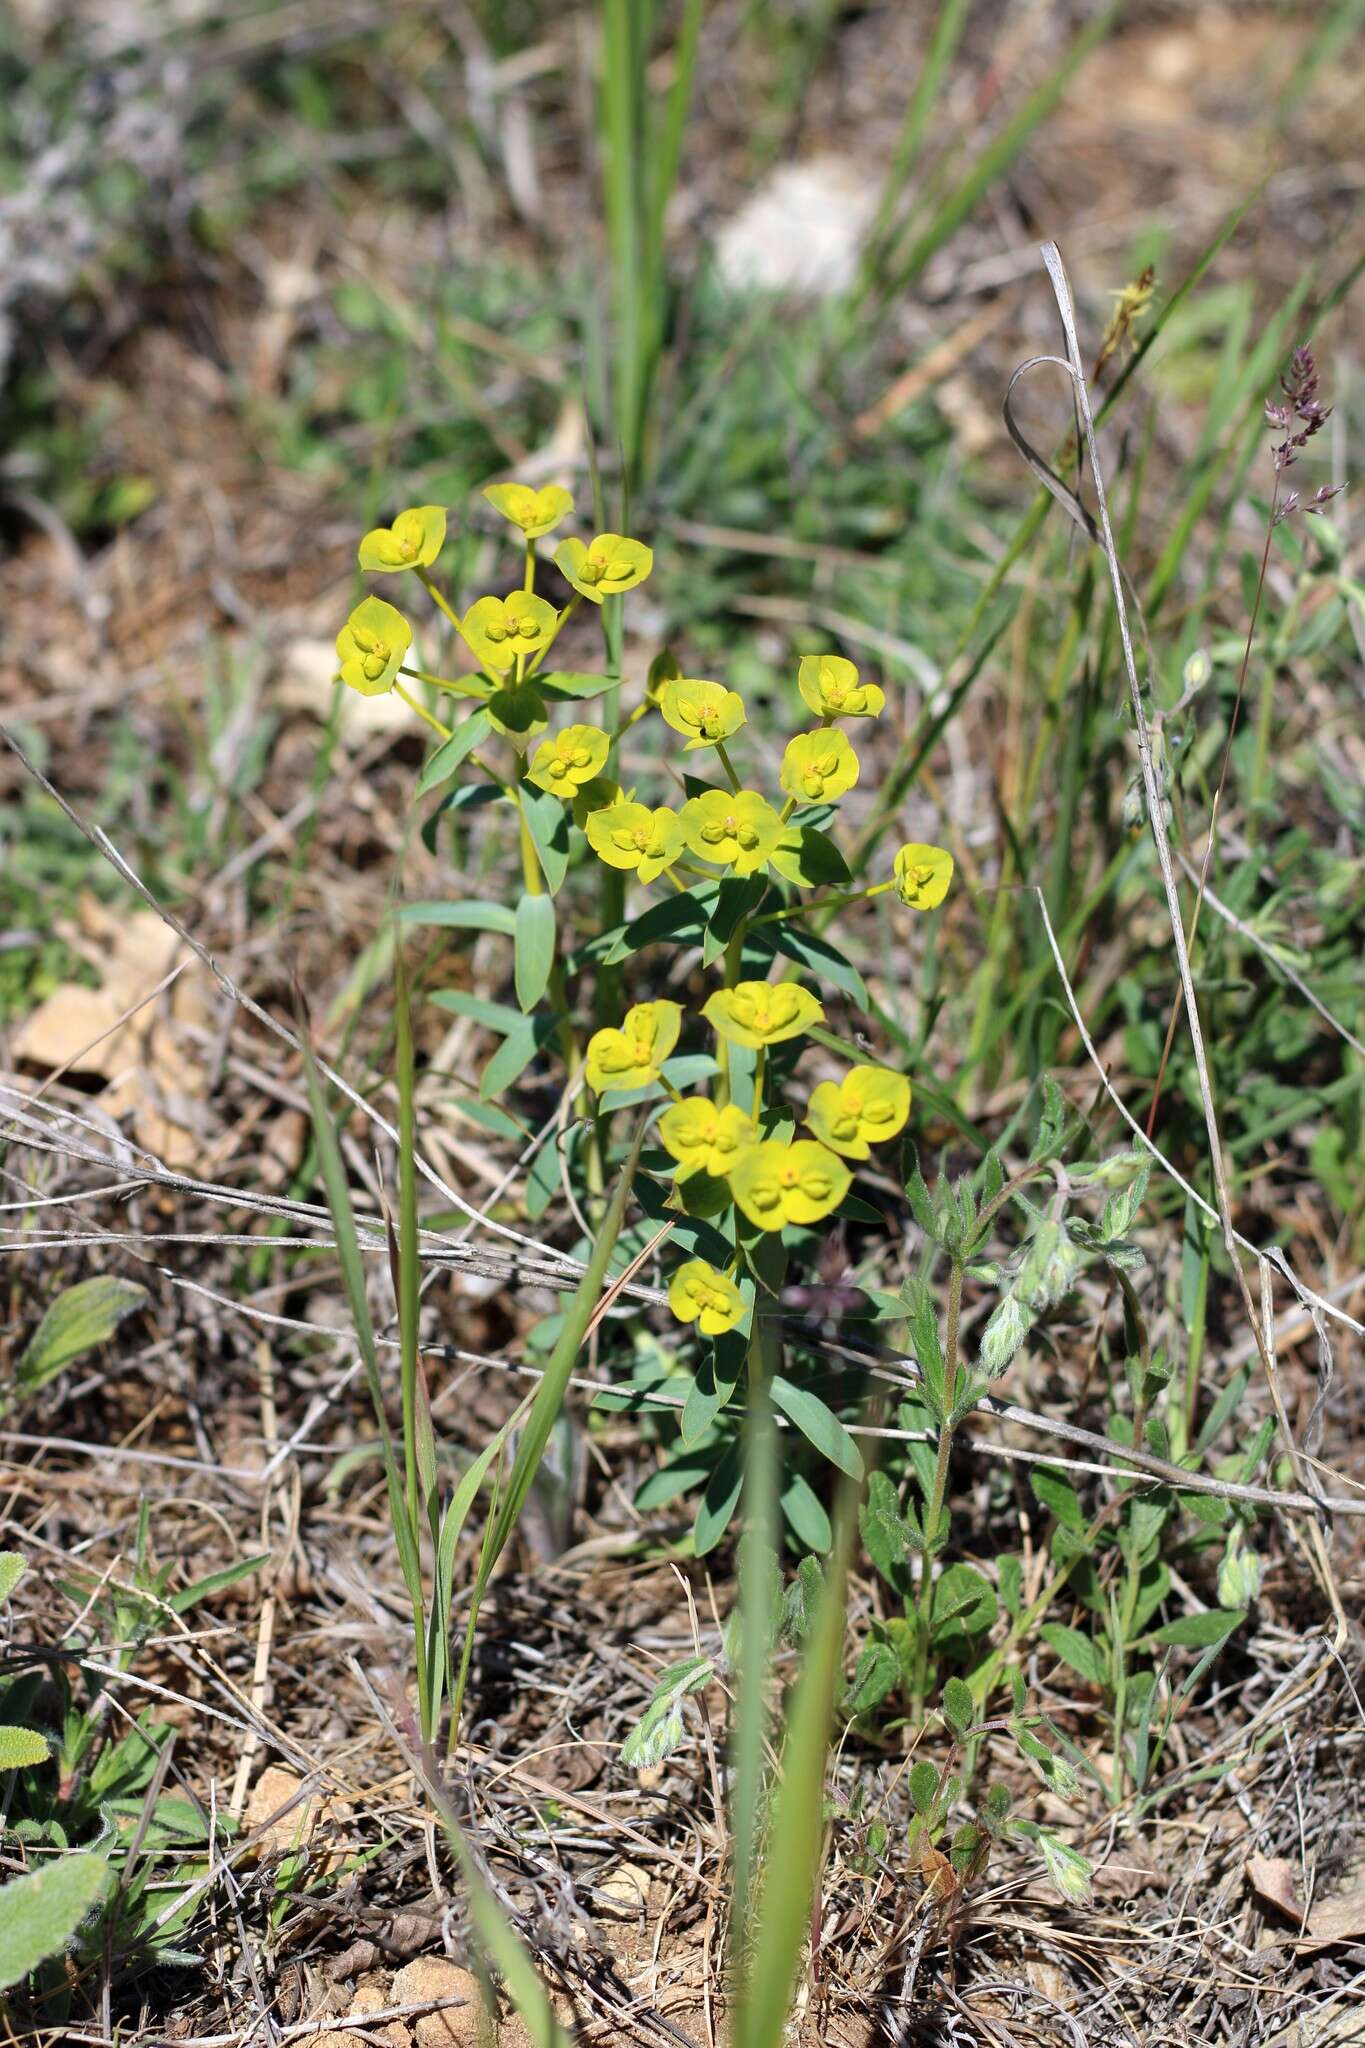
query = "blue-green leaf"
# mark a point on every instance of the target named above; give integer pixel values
(818, 1424)
(548, 823)
(470, 917)
(535, 948)
(452, 752)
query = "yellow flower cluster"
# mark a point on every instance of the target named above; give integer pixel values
(774, 1182)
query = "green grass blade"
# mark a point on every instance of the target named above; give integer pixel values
(795, 1846)
(546, 1404)
(998, 154)
(338, 1194)
(947, 34)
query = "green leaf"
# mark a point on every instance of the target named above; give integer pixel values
(1057, 1497)
(887, 1536)
(719, 1502)
(216, 1582)
(805, 1512)
(717, 1377)
(818, 1424)
(12, 1569)
(1200, 1631)
(958, 1708)
(963, 1603)
(660, 1728)
(41, 1913)
(515, 1054)
(535, 948)
(548, 823)
(469, 917)
(1081, 1652)
(517, 711)
(22, 1747)
(923, 1787)
(875, 1678)
(810, 859)
(569, 683)
(85, 1315)
(453, 752)
(792, 938)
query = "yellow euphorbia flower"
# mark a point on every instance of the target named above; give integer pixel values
(922, 876)
(705, 712)
(535, 512)
(498, 629)
(758, 1013)
(698, 1294)
(371, 646)
(632, 1056)
(868, 1106)
(630, 835)
(413, 541)
(703, 1138)
(801, 1182)
(569, 760)
(740, 832)
(605, 566)
(830, 686)
(817, 767)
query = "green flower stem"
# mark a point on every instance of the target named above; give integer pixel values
(433, 592)
(529, 580)
(760, 1062)
(456, 689)
(560, 623)
(838, 902)
(939, 1489)
(728, 766)
(414, 705)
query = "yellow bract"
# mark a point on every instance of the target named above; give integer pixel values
(630, 835)
(775, 1184)
(605, 566)
(632, 1056)
(703, 1138)
(413, 541)
(371, 646)
(868, 1106)
(758, 1013)
(830, 686)
(922, 876)
(817, 767)
(698, 1294)
(705, 712)
(572, 758)
(740, 832)
(498, 629)
(535, 512)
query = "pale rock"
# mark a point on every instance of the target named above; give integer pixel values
(801, 231)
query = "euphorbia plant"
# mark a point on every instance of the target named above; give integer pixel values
(711, 1047)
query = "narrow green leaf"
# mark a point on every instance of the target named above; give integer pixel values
(548, 823)
(818, 1424)
(535, 948)
(471, 917)
(217, 1582)
(453, 752)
